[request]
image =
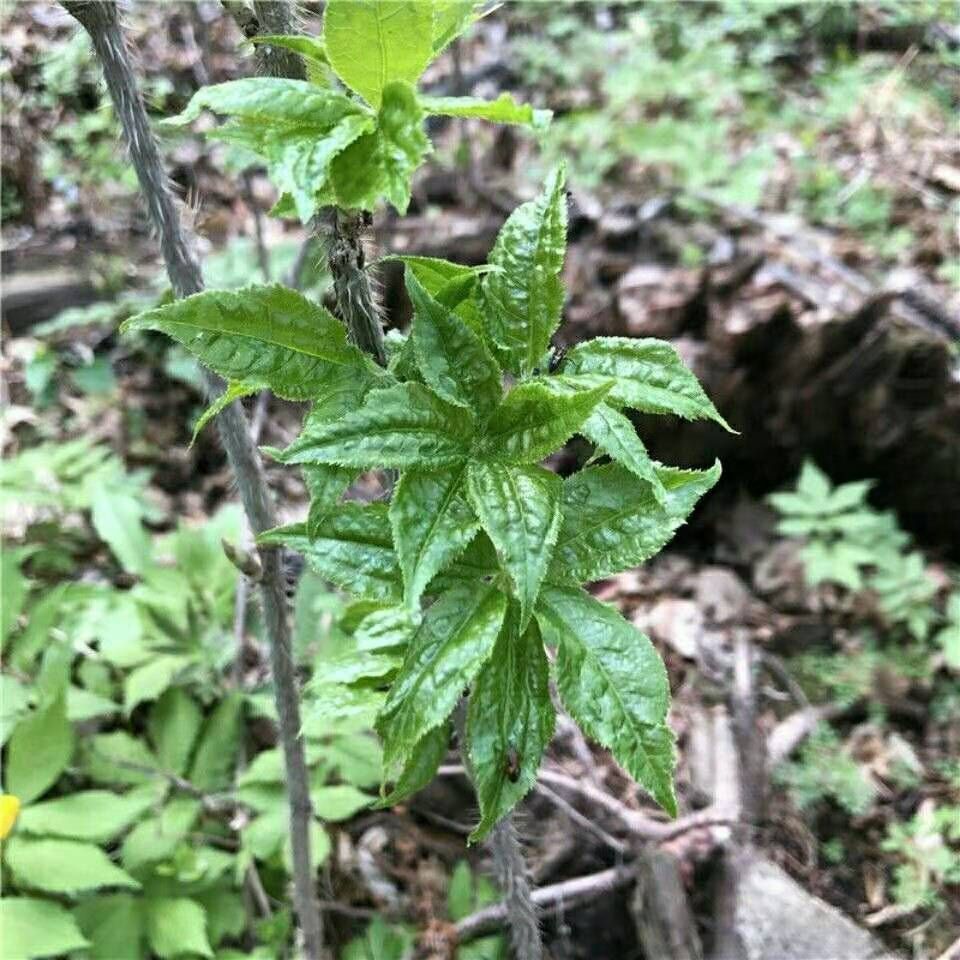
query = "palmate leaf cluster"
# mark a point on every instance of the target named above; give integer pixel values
(474, 568)
(352, 134)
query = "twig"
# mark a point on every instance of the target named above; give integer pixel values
(101, 21)
(548, 899)
(952, 952)
(578, 818)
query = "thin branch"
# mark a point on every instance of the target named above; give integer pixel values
(101, 21)
(580, 820)
(558, 896)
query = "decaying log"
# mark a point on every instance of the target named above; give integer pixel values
(664, 921)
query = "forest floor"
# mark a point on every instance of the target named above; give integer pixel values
(777, 192)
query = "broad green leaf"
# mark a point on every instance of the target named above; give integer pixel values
(368, 668)
(13, 591)
(432, 522)
(519, 509)
(381, 163)
(234, 391)
(502, 110)
(157, 838)
(649, 374)
(356, 757)
(454, 361)
(62, 866)
(333, 704)
(173, 725)
(371, 44)
(523, 293)
(614, 684)
(39, 750)
(117, 516)
(534, 421)
(297, 127)
(14, 702)
(616, 436)
(270, 336)
(612, 520)
(454, 640)
(95, 815)
(84, 705)
(402, 426)
(213, 765)
(152, 679)
(450, 19)
(352, 547)
(118, 758)
(310, 48)
(509, 721)
(114, 924)
(420, 766)
(177, 926)
(339, 802)
(226, 914)
(37, 928)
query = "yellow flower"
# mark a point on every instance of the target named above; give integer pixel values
(9, 808)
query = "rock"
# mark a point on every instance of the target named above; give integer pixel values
(773, 918)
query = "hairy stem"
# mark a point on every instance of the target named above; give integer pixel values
(101, 21)
(519, 909)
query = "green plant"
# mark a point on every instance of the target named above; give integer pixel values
(928, 846)
(824, 770)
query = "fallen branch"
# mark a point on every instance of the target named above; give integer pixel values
(563, 895)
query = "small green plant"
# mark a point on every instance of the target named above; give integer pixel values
(825, 770)
(928, 847)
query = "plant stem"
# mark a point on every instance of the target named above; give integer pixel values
(101, 21)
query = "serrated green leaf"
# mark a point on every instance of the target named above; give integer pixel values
(270, 336)
(310, 48)
(434, 273)
(117, 516)
(614, 684)
(454, 640)
(420, 766)
(371, 44)
(432, 522)
(226, 914)
(612, 521)
(62, 866)
(402, 426)
(37, 928)
(450, 19)
(383, 629)
(615, 436)
(326, 484)
(157, 838)
(331, 704)
(297, 127)
(152, 679)
(234, 391)
(39, 749)
(173, 725)
(502, 110)
(519, 509)
(352, 547)
(523, 293)
(95, 815)
(533, 421)
(368, 667)
(510, 721)
(115, 926)
(177, 926)
(454, 361)
(649, 374)
(381, 163)
(213, 765)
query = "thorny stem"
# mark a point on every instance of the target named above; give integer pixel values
(101, 21)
